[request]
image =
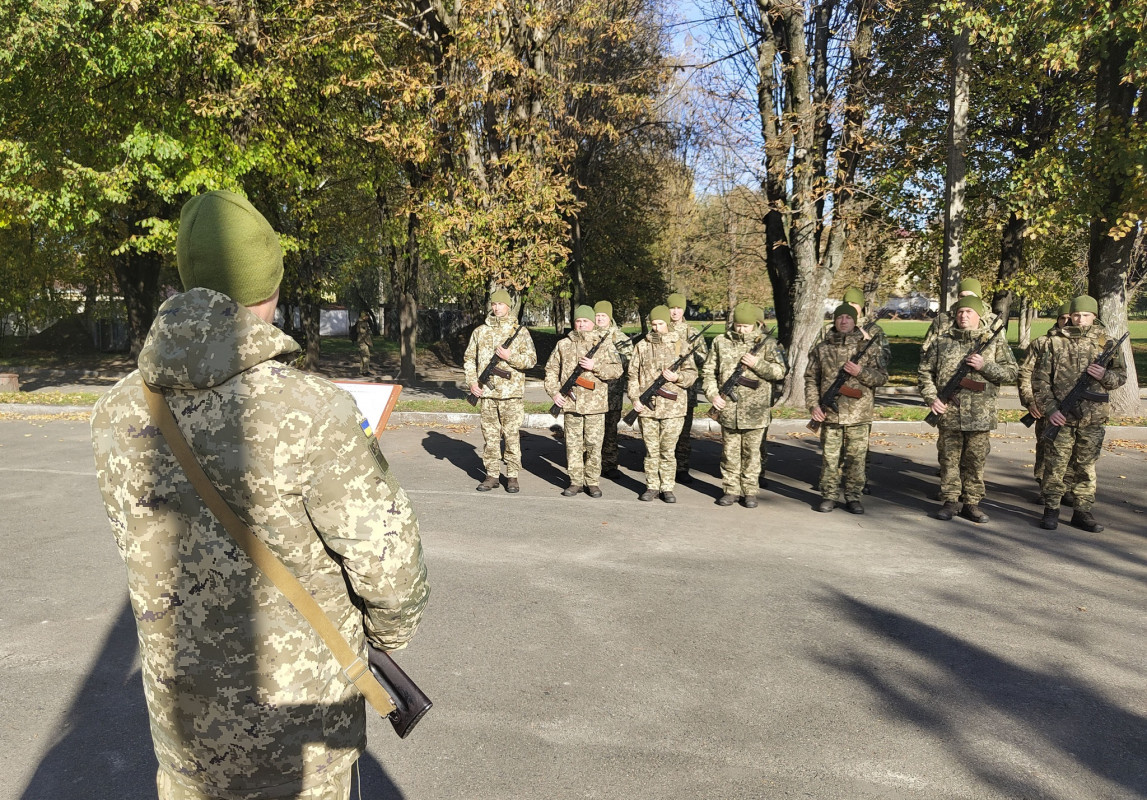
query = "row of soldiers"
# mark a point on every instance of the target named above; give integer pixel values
(591, 370)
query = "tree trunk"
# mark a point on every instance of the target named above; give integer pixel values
(312, 313)
(138, 277)
(954, 175)
(1011, 264)
(1027, 313)
(406, 297)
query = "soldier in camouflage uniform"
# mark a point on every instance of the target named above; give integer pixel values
(363, 337)
(585, 408)
(623, 345)
(969, 287)
(245, 699)
(844, 431)
(503, 408)
(964, 428)
(661, 424)
(1027, 398)
(744, 416)
(677, 324)
(1080, 440)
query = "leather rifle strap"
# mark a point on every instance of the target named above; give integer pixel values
(354, 667)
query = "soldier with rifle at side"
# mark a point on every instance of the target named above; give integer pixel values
(662, 419)
(683, 450)
(1027, 397)
(603, 319)
(576, 376)
(1071, 361)
(840, 382)
(500, 351)
(737, 381)
(959, 379)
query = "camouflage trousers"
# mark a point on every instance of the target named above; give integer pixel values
(683, 450)
(364, 359)
(609, 440)
(1072, 455)
(584, 433)
(765, 449)
(660, 436)
(963, 455)
(1041, 450)
(845, 452)
(502, 422)
(741, 460)
(336, 788)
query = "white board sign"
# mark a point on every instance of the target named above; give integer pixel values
(375, 400)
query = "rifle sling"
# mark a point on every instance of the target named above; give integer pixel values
(354, 667)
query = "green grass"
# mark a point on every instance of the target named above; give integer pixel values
(50, 398)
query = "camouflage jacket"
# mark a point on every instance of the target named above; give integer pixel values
(564, 362)
(945, 320)
(882, 346)
(749, 408)
(1066, 357)
(245, 699)
(484, 341)
(700, 351)
(974, 411)
(824, 364)
(624, 348)
(651, 355)
(1027, 366)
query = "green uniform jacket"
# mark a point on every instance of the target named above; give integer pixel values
(749, 408)
(700, 351)
(564, 362)
(882, 346)
(1066, 357)
(653, 354)
(623, 346)
(1027, 367)
(244, 697)
(484, 341)
(824, 364)
(976, 411)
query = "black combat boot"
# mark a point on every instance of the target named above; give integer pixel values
(1050, 519)
(593, 491)
(669, 497)
(825, 506)
(972, 511)
(1084, 521)
(749, 501)
(570, 490)
(854, 507)
(491, 482)
(647, 495)
(727, 499)
(512, 485)
(948, 510)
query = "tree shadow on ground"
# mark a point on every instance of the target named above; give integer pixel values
(458, 452)
(1055, 708)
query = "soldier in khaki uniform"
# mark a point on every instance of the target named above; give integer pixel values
(744, 416)
(964, 441)
(585, 409)
(1080, 440)
(245, 699)
(844, 432)
(603, 319)
(364, 340)
(969, 287)
(683, 450)
(660, 424)
(503, 408)
(1027, 397)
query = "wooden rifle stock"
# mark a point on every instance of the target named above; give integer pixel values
(956, 382)
(1081, 391)
(646, 397)
(837, 387)
(493, 368)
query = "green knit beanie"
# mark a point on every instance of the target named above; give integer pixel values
(970, 285)
(842, 309)
(972, 302)
(854, 295)
(661, 313)
(501, 296)
(675, 300)
(1084, 302)
(584, 312)
(225, 244)
(745, 314)
(1065, 308)
(603, 307)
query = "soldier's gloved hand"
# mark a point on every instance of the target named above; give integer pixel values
(852, 368)
(939, 406)
(669, 376)
(750, 360)
(502, 353)
(718, 402)
(1057, 418)
(1033, 409)
(975, 361)
(560, 400)
(475, 390)
(586, 363)
(818, 414)
(1096, 371)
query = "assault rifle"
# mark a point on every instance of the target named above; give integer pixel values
(737, 378)
(579, 378)
(949, 395)
(494, 367)
(410, 703)
(657, 388)
(1080, 392)
(836, 388)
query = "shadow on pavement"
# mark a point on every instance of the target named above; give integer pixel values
(457, 451)
(544, 457)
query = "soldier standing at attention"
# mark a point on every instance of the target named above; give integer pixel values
(603, 319)
(969, 287)
(1027, 398)
(363, 337)
(661, 424)
(963, 442)
(744, 416)
(585, 410)
(677, 324)
(245, 698)
(1068, 355)
(844, 432)
(503, 409)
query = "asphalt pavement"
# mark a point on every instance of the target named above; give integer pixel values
(580, 648)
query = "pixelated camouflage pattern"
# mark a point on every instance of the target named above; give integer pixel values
(975, 411)
(882, 347)
(501, 422)
(962, 459)
(1067, 355)
(1027, 367)
(244, 698)
(740, 459)
(563, 362)
(700, 351)
(843, 459)
(825, 362)
(609, 459)
(335, 788)
(1069, 465)
(654, 353)
(943, 321)
(660, 437)
(484, 341)
(364, 342)
(623, 346)
(748, 408)
(584, 434)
